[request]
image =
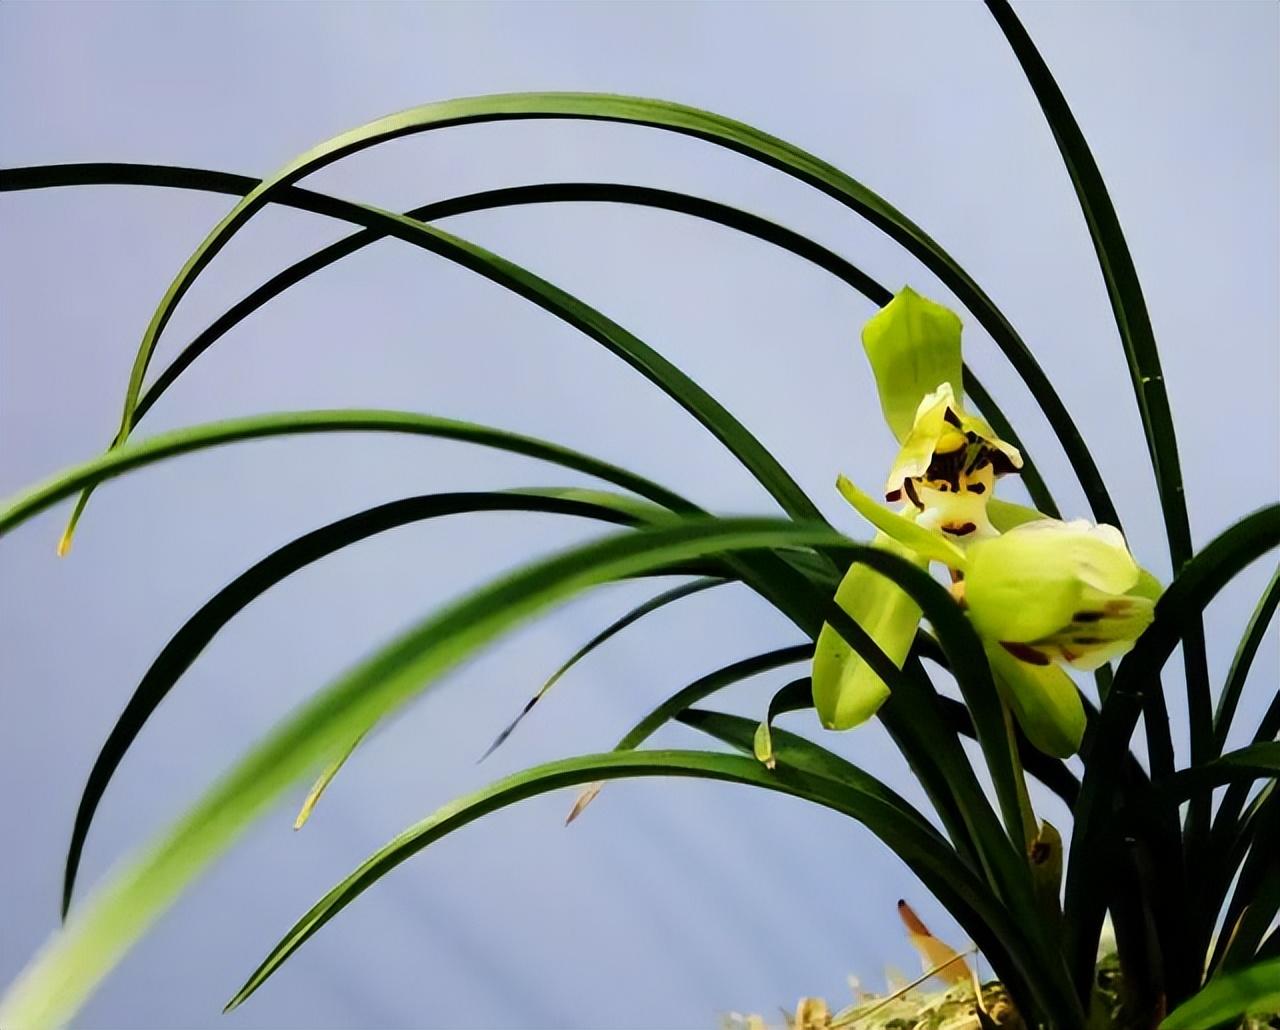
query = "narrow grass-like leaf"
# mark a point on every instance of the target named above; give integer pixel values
(213, 434)
(1227, 998)
(1015, 960)
(195, 634)
(1230, 828)
(630, 617)
(62, 975)
(801, 246)
(1118, 273)
(1256, 761)
(677, 118)
(700, 689)
(47, 176)
(1257, 893)
(1254, 633)
(1143, 360)
(918, 845)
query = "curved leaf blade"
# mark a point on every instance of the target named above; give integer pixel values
(1254, 633)
(628, 618)
(195, 634)
(213, 434)
(1226, 998)
(62, 975)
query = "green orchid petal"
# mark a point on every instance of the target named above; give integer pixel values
(845, 690)
(1043, 699)
(1005, 515)
(913, 345)
(1031, 582)
(924, 543)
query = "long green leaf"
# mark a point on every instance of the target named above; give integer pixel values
(1256, 761)
(213, 434)
(1227, 998)
(196, 633)
(700, 689)
(1095, 812)
(677, 118)
(917, 845)
(1257, 892)
(1143, 359)
(1017, 945)
(1254, 633)
(1229, 829)
(564, 192)
(628, 618)
(703, 687)
(61, 976)
(1120, 276)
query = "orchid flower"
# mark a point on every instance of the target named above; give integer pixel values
(1040, 592)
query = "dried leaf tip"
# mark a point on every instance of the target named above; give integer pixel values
(585, 798)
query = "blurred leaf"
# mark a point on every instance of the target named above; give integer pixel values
(55, 984)
(195, 634)
(1227, 998)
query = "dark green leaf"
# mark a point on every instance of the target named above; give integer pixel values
(1256, 761)
(1243, 661)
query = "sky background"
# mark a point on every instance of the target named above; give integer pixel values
(670, 902)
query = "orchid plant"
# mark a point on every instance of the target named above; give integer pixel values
(1003, 598)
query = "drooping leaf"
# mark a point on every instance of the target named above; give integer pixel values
(1014, 946)
(904, 835)
(120, 460)
(47, 176)
(322, 782)
(195, 634)
(60, 977)
(795, 696)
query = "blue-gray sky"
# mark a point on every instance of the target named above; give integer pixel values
(671, 901)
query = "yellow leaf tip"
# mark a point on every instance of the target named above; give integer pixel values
(64, 543)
